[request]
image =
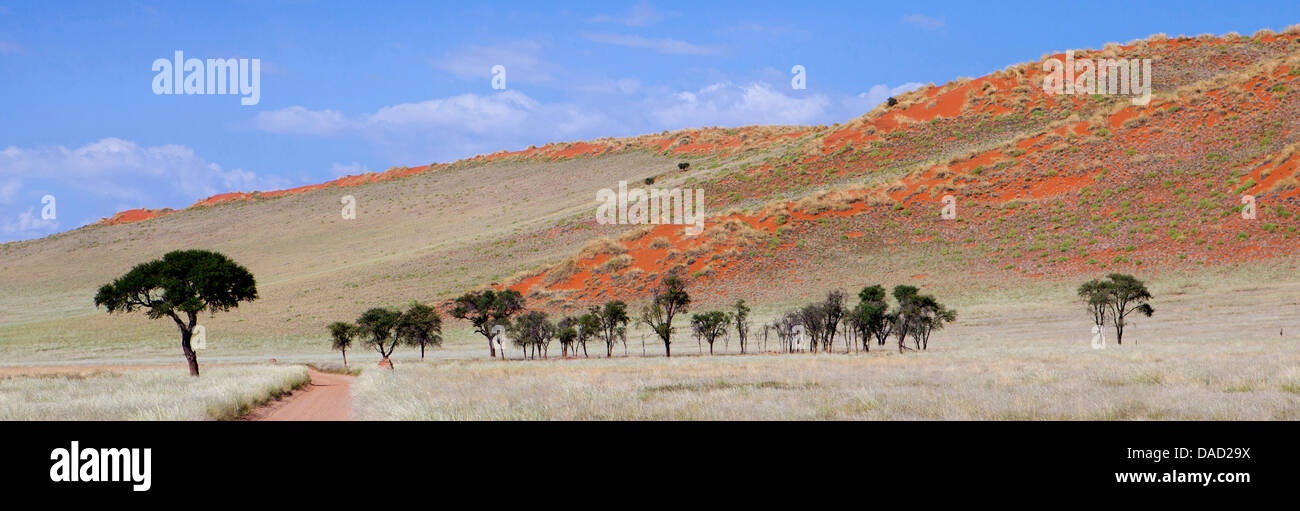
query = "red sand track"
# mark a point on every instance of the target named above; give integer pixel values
(325, 398)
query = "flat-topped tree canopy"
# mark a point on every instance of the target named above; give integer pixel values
(180, 286)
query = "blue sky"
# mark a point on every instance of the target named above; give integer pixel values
(349, 87)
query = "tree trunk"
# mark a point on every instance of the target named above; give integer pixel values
(190, 357)
(492, 349)
(345, 358)
(668, 352)
(421, 351)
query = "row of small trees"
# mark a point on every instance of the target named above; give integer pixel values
(490, 314)
(533, 331)
(383, 328)
(816, 325)
(500, 314)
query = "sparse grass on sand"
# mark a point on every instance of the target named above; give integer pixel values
(1234, 380)
(221, 393)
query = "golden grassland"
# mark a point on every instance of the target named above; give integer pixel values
(1213, 351)
(1234, 380)
(222, 393)
(1224, 344)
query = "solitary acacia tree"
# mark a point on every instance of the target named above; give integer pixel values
(420, 325)
(741, 319)
(1127, 295)
(376, 326)
(343, 334)
(487, 308)
(710, 326)
(179, 286)
(669, 300)
(609, 319)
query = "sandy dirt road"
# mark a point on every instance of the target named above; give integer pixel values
(326, 398)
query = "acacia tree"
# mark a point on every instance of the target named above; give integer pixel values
(872, 317)
(532, 332)
(376, 326)
(566, 331)
(588, 326)
(1096, 295)
(669, 300)
(487, 308)
(710, 325)
(785, 329)
(917, 317)
(933, 316)
(1127, 295)
(833, 308)
(179, 286)
(343, 333)
(420, 325)
(741, 321)
(609, 319)
(813, 319)
(906, 314)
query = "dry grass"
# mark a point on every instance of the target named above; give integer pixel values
(1222, 345)
(222, 393)
(1248, 380)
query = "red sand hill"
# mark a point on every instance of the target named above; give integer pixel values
(1044, 184)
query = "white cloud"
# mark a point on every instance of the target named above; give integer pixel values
(725, 104)
(522, 60)
(925, 22)
(864, 102)
(450, 128)
(453, 127)
(27, 224)
(9, 190)
(668, 46)
(639, 15)
(476, 113)
(297, 119)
